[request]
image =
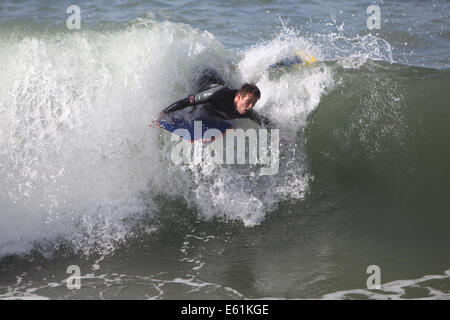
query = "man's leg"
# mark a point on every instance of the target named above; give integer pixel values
(207, 78)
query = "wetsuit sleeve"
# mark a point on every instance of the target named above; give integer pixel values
(262, 121)
(178, 105)
(212, 94)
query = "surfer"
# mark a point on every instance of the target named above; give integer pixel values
(224, 102)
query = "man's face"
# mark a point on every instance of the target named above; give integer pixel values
(244, 103)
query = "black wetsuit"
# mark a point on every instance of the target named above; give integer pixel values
(219, 99)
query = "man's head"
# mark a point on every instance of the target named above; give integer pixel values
(246, 98)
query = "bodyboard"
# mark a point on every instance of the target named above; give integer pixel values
(299, 59)
(192, 123)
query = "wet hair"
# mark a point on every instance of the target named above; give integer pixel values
(250, 88)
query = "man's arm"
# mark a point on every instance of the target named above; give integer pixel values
(262, 121)
(193, 100)
(180, 104)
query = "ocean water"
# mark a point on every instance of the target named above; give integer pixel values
(364, 172)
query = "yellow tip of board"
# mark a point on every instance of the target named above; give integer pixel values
(307, 58)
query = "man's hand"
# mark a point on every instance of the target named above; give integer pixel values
(155, 121)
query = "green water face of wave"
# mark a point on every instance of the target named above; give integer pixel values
(384, 124)
(378, 146)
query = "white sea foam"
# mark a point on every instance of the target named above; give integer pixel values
(75, 146)
(397, 289)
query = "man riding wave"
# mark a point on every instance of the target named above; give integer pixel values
(222, 101)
